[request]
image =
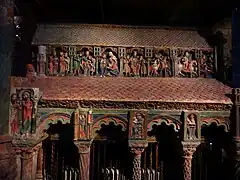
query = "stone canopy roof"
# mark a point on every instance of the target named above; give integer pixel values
(115, 35)
(122, 89)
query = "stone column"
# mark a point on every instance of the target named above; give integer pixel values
(39, 173)
(188, 149)
(27, 164)
(137, 148)
(84, 148)
(41, 60)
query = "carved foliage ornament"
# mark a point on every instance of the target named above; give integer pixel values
(135, 105)
(83, 146)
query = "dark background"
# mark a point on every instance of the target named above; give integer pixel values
(202, 14)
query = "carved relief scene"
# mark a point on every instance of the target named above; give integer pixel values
(23, 109)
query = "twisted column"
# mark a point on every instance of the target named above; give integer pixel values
(136, 149)
(188, 149)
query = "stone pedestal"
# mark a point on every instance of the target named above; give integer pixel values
(136, 149)
(84, 148)
(8, 164)
(188, 149)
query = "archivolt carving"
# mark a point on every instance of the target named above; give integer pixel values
(219, 122)
(158, 120)
(52, 118)
(106, 120)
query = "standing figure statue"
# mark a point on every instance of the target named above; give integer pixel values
(137, 126)
(191, 127)
(92, 65)
(134, 64)
(27, 114)
(51, 65)
(143, 66)
(85, 63)
(126, 67)
(76, 63)
(67, 63)
(62, 64)
(82, 123)
(103, 65)
(14, 114)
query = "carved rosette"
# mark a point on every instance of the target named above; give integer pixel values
(188, 149)
(137, 148)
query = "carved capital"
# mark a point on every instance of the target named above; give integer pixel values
(189, 148)
(137, 147)
(83, 146)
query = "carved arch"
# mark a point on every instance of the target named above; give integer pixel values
(53, 118)
(158, 120)
(106, 120)
(218, 121)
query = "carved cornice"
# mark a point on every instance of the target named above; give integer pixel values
(134, 105)
(83, 146)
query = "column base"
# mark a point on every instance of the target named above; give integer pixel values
(8, 166)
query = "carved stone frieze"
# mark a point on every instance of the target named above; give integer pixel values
(134, 105)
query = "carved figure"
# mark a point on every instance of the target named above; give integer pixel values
(85, 63)
(137, 126)
(62, 64)
(112, 67)
(14, 114)
(41, 63)
(206, 66)
(143, 66)
(191, 126)
(51, 65)
(155, 67)
(92, 65)
(67, 63)
(103, 65)
(27, 113)
(76, 63)
(165, 66)
(134, 64)
(187, 67)
(126, 66)
(82, 123)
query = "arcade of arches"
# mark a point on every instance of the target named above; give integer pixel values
(121, 144)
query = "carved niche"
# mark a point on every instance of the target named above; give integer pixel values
(82, 120)
(23, 109)
(192, 128)
(138, 125)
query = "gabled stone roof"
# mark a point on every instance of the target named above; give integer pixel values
(115, 35)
